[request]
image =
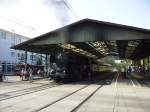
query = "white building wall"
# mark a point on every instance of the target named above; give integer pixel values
(5, 50)
(10, 56)
(7, 54)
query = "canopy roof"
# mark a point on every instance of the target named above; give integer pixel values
(92, 38)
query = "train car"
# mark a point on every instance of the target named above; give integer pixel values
(66, 66)
(99, 67)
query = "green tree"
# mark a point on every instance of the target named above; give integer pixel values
(39, 61)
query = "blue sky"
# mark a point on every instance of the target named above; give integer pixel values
(130, 12)
(40, 16)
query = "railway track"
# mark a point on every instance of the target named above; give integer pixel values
(143, 83)
(22, 92)
(86, 99)
(71, 94)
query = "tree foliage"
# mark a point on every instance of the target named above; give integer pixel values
(39, 61)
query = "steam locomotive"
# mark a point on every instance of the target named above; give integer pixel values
(66, 66)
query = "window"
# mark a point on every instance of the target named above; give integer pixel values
(19, 55)
(19, 39)
(22, 55)
(12, 54)
(13, 38)
(9, 35)
(2, 34)
(12, 44)
(32, 57)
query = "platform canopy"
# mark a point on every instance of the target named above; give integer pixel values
(94, 39)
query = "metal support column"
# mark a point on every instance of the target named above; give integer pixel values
(41, 58)
(26, 58)
(148, 63)
(144, 65)
(134, 62)
(46, 64)
(32, 57)
(143, 62)
(5, 68)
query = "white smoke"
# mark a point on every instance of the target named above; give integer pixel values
(61, 10)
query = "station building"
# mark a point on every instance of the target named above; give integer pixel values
(94, 39)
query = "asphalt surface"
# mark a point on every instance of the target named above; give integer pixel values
(108, 95)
